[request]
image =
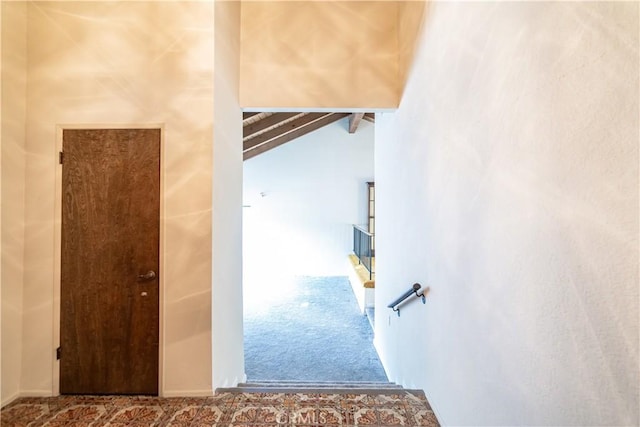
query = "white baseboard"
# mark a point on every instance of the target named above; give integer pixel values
(26, 393)
(358, 289)
(231, 383)
(435, 411)
(376, 343)
(187, 393)
(8, 400)
(36, 393)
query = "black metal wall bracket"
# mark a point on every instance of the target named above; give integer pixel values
(414, 290)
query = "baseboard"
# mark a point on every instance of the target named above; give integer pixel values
(170, 393)
(8, 400)
(382, 361)
(36, 393)
(237, 380)
(358, 290)
(26, 393)
(439, 417)
(433, 407)
(230, 383)
(187, 393)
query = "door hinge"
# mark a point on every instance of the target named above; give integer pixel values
(58, 353)
(61, 157)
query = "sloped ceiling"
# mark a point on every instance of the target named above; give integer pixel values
(264, 131)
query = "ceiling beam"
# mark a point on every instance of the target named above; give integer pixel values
(247, 115)
(266, 123)
(319, 120)
(370, 117)
(248, 144)
(354, 121)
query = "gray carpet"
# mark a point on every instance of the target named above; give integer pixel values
(315, 333)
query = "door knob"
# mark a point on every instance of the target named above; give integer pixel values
(149, 275)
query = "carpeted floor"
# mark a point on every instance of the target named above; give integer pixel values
(223, 409)
(313, 332)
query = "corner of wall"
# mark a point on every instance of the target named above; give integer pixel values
(226, 278)
(411, 18)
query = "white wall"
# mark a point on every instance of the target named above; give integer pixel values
(314, 190)
(507, 182)
(227, 335)
(14, 92)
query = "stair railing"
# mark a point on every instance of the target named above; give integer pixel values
(363, 248)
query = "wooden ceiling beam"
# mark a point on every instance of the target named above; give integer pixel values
(321, 119)
(354, 121)
(248, 144)
(266, 123)
(247, 115)
(370, 117)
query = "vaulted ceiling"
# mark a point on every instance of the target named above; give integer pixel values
(264, 131)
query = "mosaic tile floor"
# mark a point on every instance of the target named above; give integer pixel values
(223, 409)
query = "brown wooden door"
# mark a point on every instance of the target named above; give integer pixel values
(110, 237)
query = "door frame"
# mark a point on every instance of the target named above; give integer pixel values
(57, 243)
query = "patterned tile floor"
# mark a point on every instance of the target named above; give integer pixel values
(223, 409)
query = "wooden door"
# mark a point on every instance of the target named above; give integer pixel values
(110, 257)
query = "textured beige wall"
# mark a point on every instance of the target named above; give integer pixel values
(227, 333)
(125, 63)
(14, 91)
(518, 138)
(334, 54)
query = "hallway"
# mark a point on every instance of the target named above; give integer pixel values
(310, 330)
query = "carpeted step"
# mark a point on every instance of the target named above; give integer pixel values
(322, 384)
(319, 387)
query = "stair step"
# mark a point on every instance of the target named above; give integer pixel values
(319, 384)
(319, 387)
